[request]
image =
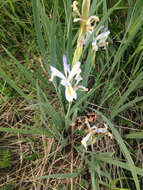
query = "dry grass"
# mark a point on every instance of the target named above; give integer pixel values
(36, 156)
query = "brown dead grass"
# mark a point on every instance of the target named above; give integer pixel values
(37, 155)
(49, 159)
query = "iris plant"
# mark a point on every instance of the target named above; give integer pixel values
(70, 77)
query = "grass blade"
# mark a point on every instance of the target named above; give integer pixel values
(40, 40)
(12, 84)
(124, 149)
(136, 135)
(123, 98)
(26, 131)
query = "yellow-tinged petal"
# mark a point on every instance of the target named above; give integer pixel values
(70, 93)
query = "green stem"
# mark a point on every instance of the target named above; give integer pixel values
(67, 115)
(93, 180)
(92, 170)
(69, 106)
(82, 31)
(93, 54)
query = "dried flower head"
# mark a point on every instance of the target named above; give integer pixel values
(75, 8)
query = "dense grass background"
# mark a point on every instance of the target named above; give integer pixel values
(34, 149)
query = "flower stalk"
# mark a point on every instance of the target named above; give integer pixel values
(82, 31)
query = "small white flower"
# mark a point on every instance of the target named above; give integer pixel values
(67, 79)
(100, 40)
(90, 138)
(85, 140)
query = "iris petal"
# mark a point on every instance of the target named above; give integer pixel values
(66, 66)
(94, 44)
(57, 73)
(103, 35)
(70, 93)
(85, 140)
(75, 71)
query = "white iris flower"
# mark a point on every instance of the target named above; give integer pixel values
(67, 79)
(100, 40)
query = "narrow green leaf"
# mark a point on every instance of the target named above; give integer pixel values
(124, 149)
(52, 48)
(83, 98)
(26, 131)
(136, 135)
(41, 44)
(12, 84)
(22, 69)
(48, 108)
(87, 69)
(127, 105)
(123, 98)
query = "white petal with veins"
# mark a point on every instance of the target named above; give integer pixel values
(85, 140)
(70, 93)
(57, 73)
(75, 71)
